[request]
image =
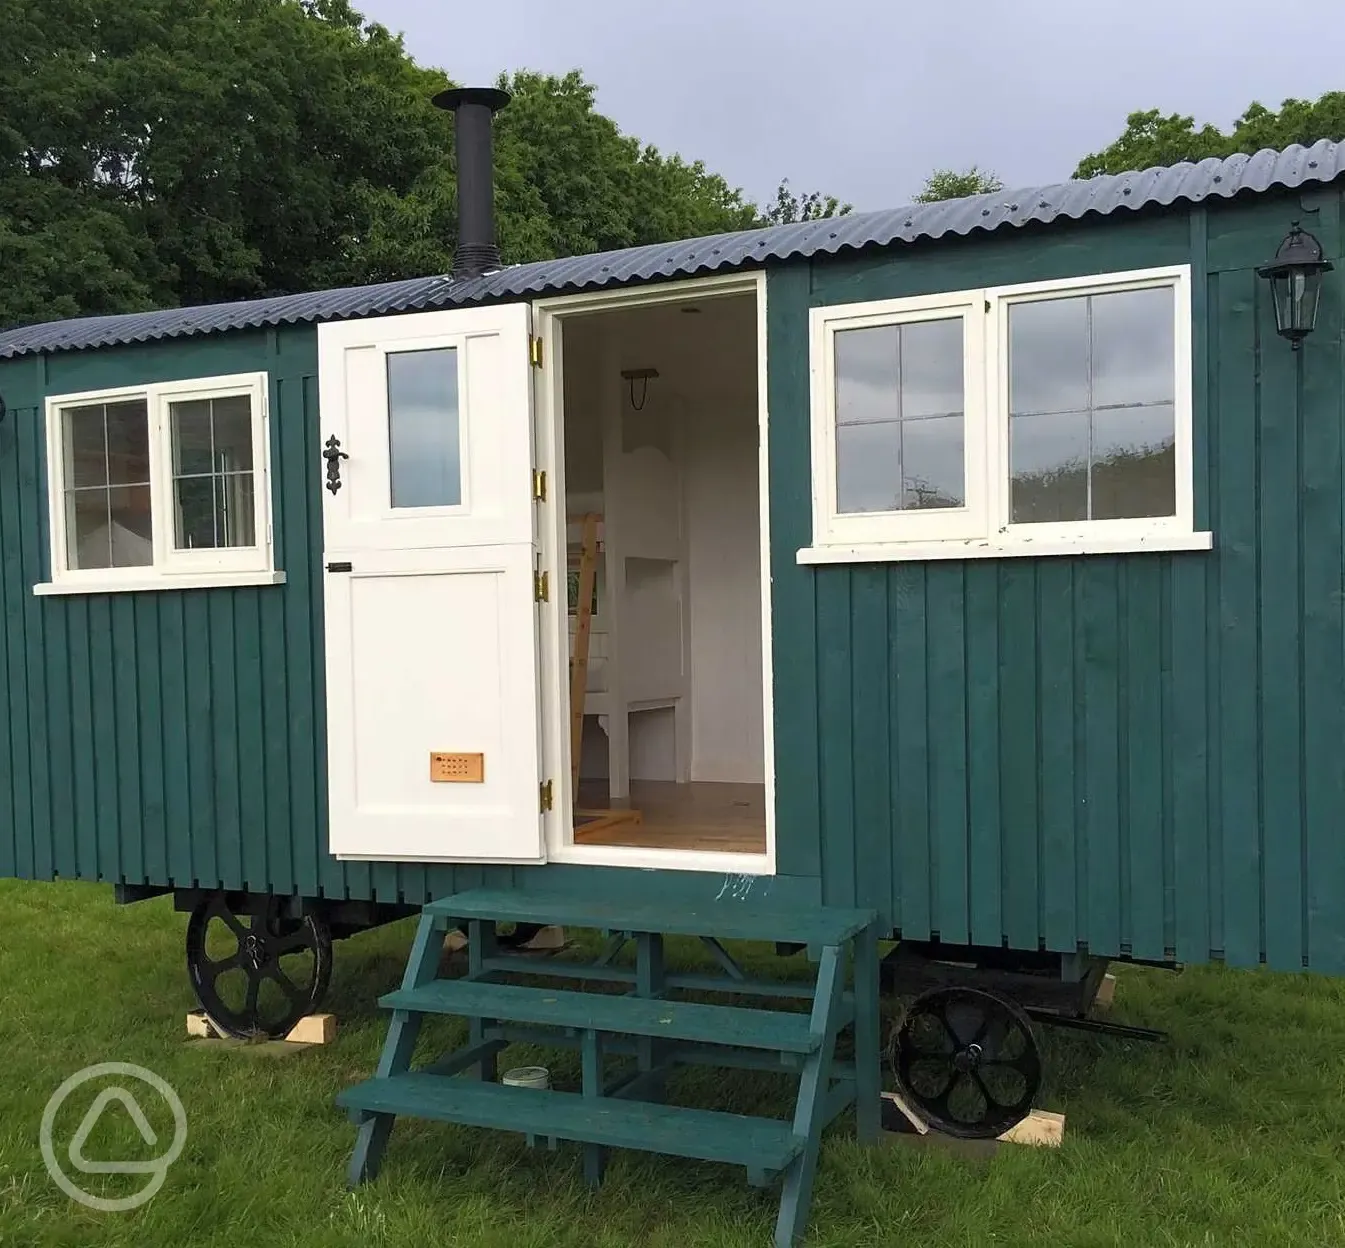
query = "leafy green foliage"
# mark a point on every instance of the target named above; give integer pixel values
(952, 184)
(154, 153)
(1151, 138)
(810, 206)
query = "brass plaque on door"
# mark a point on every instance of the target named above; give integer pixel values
(457, 768)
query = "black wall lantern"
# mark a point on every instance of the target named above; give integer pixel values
(1295, 277)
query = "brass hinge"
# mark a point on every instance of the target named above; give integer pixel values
(546, 795)
(539, 485)
(535, 351)
(541, 586)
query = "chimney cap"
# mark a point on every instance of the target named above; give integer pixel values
(492, 97)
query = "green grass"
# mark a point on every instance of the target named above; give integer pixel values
(1230, 1134)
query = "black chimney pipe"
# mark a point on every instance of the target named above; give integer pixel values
(473, 109)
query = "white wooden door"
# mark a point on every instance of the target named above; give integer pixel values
(433, 690)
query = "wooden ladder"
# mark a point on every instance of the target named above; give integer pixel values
(591, 820)
(588, 578)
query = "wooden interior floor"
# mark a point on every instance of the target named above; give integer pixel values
(724, 817)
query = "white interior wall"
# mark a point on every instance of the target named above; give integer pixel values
(677, 482)
(727, 720)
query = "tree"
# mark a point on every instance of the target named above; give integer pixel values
(1152, 138)
(811, 206)
(155, 153)
(950, 184)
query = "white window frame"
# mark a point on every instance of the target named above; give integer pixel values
(982, 528)
(930, 524)
(172, 568)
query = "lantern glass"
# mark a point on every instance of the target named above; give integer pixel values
(1296, 293)
(1295, 277)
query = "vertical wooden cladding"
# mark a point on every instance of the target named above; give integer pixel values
(1135, 754)
(169, 737)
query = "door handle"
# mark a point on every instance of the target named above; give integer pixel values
(334, 455)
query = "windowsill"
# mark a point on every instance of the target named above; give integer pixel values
(174, 580)
(1012, 548)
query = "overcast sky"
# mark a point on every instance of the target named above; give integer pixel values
(863, 98)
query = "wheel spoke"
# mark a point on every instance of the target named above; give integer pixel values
(230, 919)
(250, 1006)
(942, 1104)
(987, 1022)
(1025, 1064)
(990, 1099)
(287, 985)
(958, 1041)
(920, 1068)
(300, 939)
(218, 967)
(952, 1035)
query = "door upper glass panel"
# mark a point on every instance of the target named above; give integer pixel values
(424, 443)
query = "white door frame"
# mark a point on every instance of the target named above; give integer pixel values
(550, 431)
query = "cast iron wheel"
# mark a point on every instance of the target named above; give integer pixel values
(968, 1062)
(257, 974)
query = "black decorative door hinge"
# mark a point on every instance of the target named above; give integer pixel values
(334, 455)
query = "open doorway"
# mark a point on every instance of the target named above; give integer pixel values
(666, 723)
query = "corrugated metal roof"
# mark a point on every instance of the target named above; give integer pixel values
(1188, 183)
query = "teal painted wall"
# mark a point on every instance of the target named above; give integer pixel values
(1137, 754)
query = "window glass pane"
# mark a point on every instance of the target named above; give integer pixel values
(425, 466)
(107, 444)
(899, 412)
(1048, 356)
(191, 438)
(85, 446)
(213, 487)
(1133, 348)
(868, 467)
(232, 421)
(129, 514)
(87, 534)
(1134, 462)
(194, 526)
(1048, 458)
(235, 518)
(867, 374)
(932, 460)
(127, 443)
(109, 528)
(931, 369)
(1111, 358)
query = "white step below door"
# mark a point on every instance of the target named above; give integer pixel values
(433, 685)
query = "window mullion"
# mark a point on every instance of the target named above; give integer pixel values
(161, 480)
(1088, 398)
(107, 492)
